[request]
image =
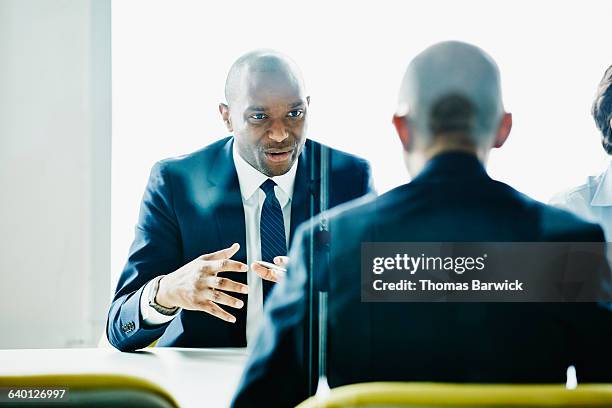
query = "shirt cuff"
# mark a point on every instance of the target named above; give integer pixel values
(149, 315)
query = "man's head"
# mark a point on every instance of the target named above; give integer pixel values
(450, 99)
(602, 110)
(266, 110)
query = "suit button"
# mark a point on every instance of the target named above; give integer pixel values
(128, 327)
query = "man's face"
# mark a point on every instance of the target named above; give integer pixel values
(267, 115)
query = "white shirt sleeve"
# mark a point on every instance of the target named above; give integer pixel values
(149, 315)
(576, 201)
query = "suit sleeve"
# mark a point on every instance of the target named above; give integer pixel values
(156, 250)
(275, 374)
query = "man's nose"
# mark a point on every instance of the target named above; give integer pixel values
(278, 132)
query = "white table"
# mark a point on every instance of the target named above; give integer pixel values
(195, 377)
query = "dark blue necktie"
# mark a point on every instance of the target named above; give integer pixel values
(271, 230)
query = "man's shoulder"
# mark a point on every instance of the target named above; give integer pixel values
(555, 223)
(357, 214)
(559, 224)
(200, 159)
(339, 158)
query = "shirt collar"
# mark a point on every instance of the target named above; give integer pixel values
(250, 179)
(603, 194)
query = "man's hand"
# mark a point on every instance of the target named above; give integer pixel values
(196, 286)
(271, 274)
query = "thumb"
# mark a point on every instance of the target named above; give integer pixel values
(281, 260)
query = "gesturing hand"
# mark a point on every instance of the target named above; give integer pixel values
(196, 286)
(272, 274)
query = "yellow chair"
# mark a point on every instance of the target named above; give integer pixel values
(91, 390)
(430, 395)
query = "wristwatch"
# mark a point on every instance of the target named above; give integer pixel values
(159, 308)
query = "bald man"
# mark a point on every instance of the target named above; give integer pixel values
(193, 277)
(450, 115)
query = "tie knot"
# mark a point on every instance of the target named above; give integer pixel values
(268, 187)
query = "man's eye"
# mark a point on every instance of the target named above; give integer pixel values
(258, 116)
(295, 113)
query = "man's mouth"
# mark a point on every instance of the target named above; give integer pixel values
(279, 155)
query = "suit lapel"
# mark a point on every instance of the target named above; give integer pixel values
(228, 212)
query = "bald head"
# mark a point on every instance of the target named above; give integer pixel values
(274, 68)
(452, 88)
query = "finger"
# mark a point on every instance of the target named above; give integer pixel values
(222, 254)
(217, 282)
(215, 310)
(224, 265)
(281, 260)
(280, 275)
(265, 273)
(224, 299)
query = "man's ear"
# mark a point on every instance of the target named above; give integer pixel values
(225, 115)
(403, 131)
(505, 126)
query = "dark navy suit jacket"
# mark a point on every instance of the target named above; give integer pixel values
(192, 206)
(451, 200)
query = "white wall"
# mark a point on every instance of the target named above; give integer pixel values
(170, 60)
(54, 171)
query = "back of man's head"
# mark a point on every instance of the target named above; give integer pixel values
(452, 89)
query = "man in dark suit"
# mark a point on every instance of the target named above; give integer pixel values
(207, 215)
(450, 115)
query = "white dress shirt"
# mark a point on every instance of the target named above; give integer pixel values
(250, 179)
(591, 201)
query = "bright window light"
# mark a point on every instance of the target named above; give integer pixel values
(170, 60)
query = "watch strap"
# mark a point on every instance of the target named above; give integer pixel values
(159, 308)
